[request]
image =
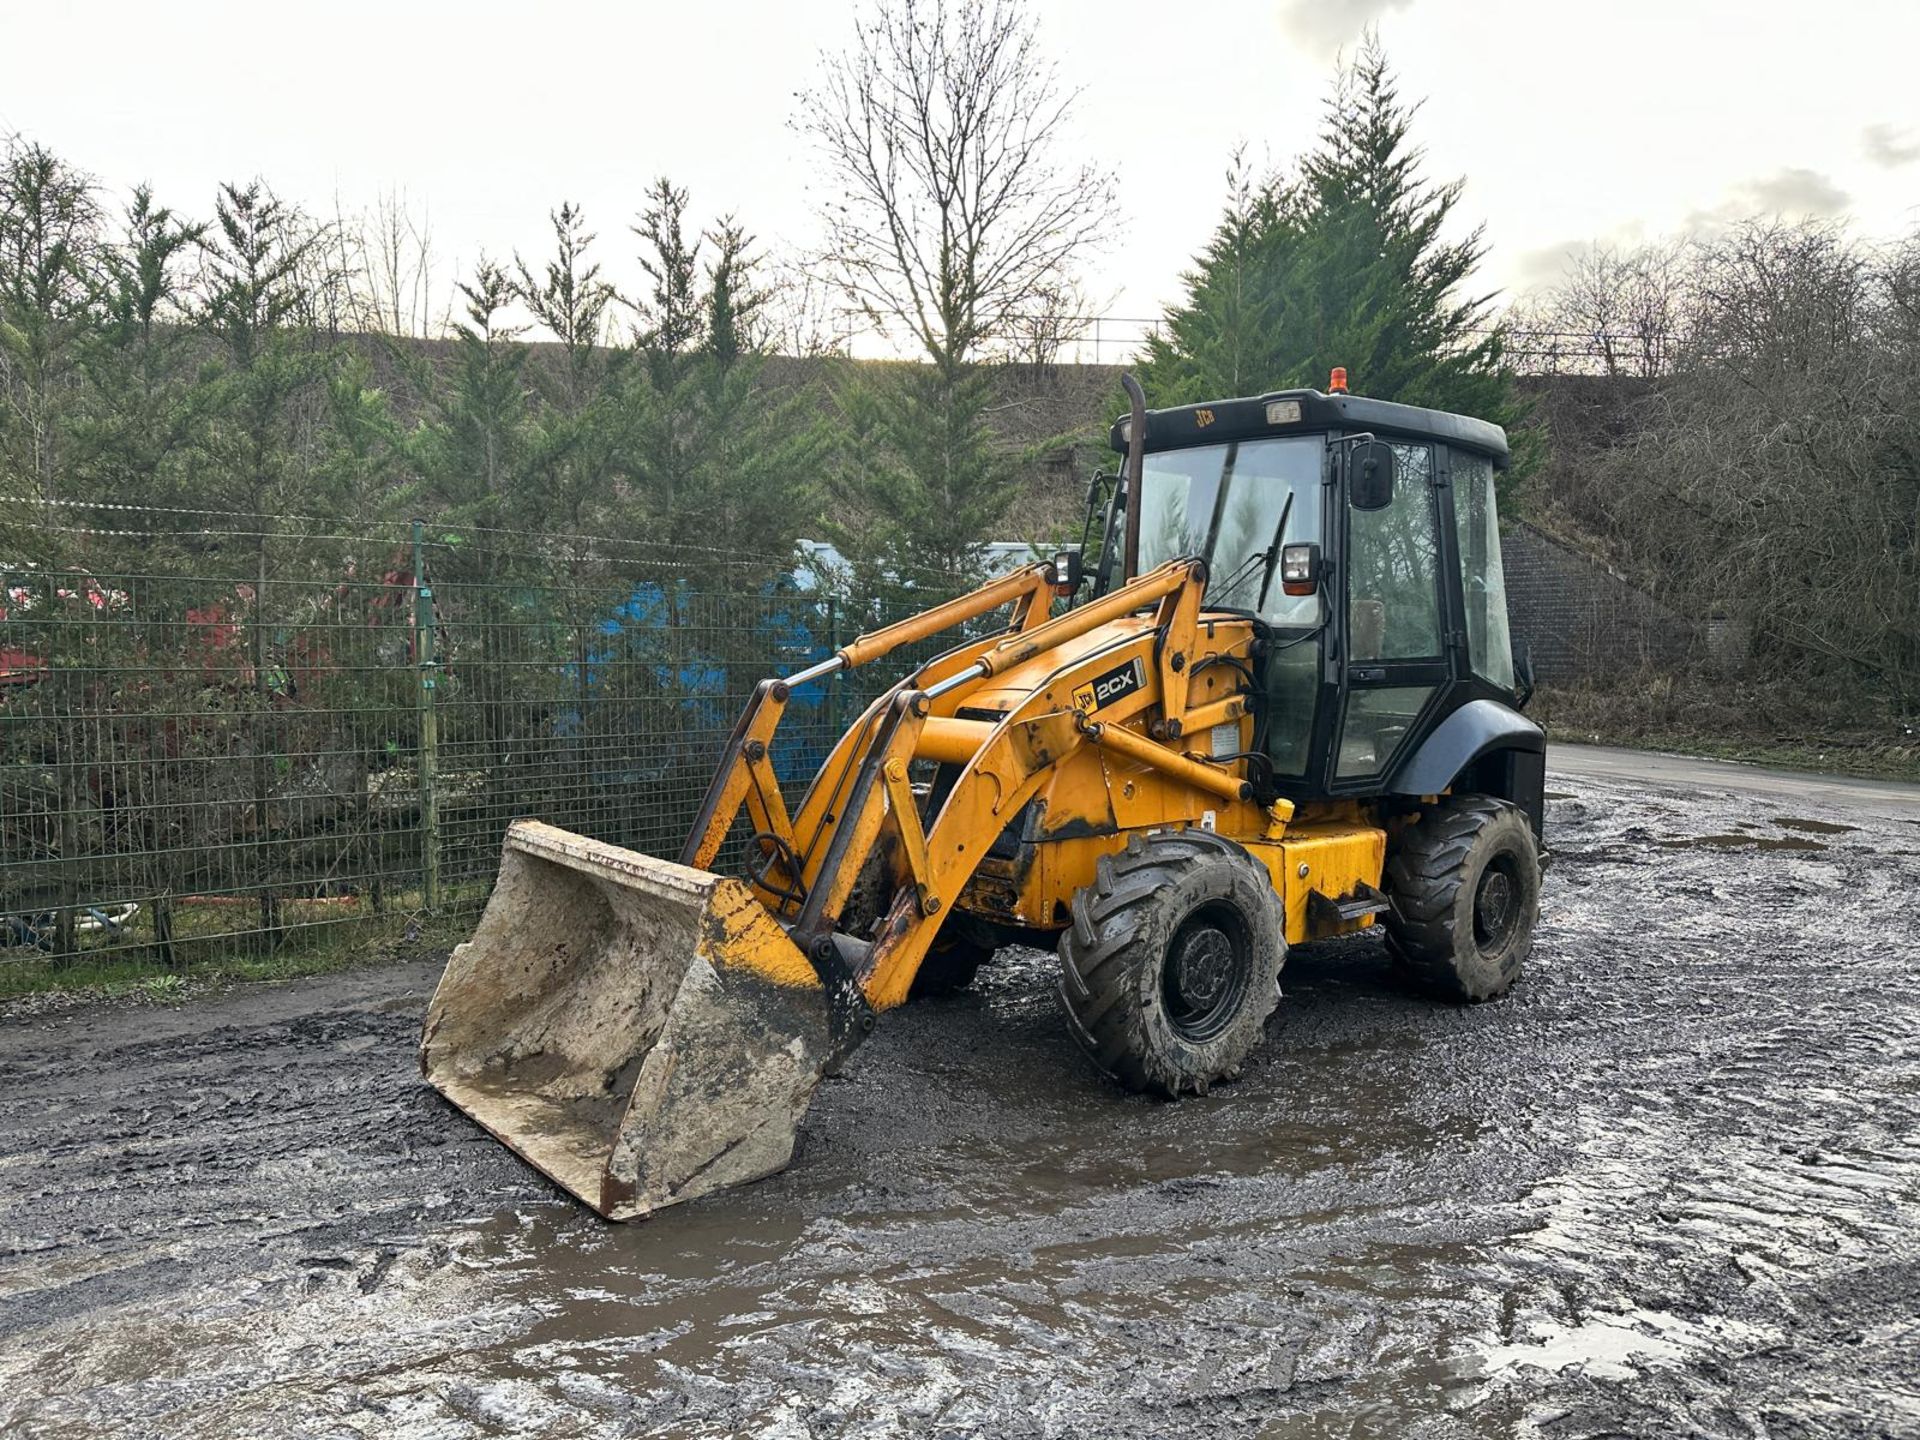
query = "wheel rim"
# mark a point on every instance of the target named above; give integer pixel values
(1208, 969)
(1496, 905)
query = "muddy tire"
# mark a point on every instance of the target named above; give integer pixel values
(1172, 963)
(1465, 882)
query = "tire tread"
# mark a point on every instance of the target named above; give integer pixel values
(1424, 874)
(1101, 991)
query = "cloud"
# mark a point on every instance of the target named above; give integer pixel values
(1548, 265)
(1797, 191)
(1889, 147)
(1532, 269)
(1323, 28)
(1794, 192)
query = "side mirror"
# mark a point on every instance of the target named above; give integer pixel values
(1068, 572)
(1370, 475)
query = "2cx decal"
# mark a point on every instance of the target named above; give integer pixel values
(1116, 684)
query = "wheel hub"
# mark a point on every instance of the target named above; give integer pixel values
(1203, 968)
(1493, 907)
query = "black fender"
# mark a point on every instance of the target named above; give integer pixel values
(1486, 748)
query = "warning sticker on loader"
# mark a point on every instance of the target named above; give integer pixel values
(1116, 684)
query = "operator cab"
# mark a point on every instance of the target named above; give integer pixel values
(1362, 538)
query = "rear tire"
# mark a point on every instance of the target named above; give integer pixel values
(1465, 882)
(1172, 963)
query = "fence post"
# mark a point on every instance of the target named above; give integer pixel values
(834, 697)
(425, 668)
(67, 680)
(265, 742)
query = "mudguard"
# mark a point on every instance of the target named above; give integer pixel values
(1486, 747)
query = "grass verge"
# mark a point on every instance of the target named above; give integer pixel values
(1825, 759)
(1782, 726)
(314, 950)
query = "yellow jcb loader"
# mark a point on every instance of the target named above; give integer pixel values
(1283, 708)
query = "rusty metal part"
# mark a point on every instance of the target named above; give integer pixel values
(1136, 457)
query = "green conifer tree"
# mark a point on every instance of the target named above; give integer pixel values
(921, 477)
(725, 458)
(263, 394)
(472, 451)
(1345, 264)
(139, 414)
(50, 250)
(582, 430)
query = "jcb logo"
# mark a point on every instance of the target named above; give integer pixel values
(1104, 689)
(1203, 418)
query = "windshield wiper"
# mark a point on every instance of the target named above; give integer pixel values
(1273, 553)
(1232, 582)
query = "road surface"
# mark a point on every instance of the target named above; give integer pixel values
(1690, 774)
(1667, 1187)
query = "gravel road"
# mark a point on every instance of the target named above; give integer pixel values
(1668, 1187)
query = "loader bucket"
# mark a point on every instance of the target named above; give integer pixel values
(640, 1031)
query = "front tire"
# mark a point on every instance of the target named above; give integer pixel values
(1465, 882)
(1172, 964)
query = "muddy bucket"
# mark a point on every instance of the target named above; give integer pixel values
(641, 1032)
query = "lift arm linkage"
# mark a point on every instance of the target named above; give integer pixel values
(745, 774)
(813, 857)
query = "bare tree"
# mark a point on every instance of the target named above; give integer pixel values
(802, 313)
(1783, 298)
(1613, 312)
(397, 265)
(950, 210)
(1057, 316)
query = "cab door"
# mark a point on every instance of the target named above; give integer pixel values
(1395, 631)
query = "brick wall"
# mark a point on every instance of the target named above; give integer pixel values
(1582, 622)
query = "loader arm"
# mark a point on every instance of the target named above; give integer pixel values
(815, 856)
(1013, 757)
(745, 775)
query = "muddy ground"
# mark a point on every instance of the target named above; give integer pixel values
(1668, 1187)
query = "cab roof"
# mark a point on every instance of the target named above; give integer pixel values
(1219, 421)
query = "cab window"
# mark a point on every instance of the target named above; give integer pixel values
(1224, 503)
(1393, 568)
(1483, 586)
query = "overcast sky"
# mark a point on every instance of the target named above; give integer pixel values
(1610, 119)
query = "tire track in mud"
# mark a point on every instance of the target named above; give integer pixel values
(1666, 1187)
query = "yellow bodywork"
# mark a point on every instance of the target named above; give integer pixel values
(646, 1031)
(1103, 719)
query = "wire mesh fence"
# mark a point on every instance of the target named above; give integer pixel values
(219, 734)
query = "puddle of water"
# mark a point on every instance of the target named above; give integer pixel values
(1813, 827)
(1127, 1223)
(1739, 842)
